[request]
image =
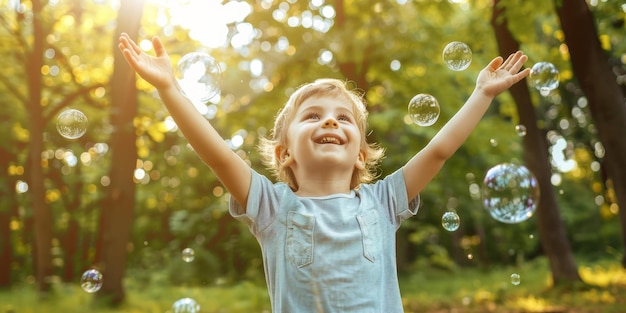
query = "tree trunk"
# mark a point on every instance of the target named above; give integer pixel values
(7, 205)
(551, 230)
(350, 69)
(117, 211)
(42, 214)
(68, 239)
(69, 242)
(606, 100)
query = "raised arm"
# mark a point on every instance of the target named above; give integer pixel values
(497, 77)
(157, 70)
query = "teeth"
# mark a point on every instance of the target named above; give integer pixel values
(329, 140)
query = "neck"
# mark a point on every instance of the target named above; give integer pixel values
(317, 183)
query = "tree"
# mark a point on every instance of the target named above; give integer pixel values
(552, 231)
(8, 209)
(41, 81)
(42, 214)
(117, 207)
(606, 98)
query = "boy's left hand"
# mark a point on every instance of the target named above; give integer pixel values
(498, 76)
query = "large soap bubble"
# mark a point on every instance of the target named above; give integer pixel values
(72, 124)
(457, 56)
(424, 109)
(544, 76)
(199, 75)
(510, 193)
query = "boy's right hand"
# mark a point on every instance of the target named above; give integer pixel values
(156, 70)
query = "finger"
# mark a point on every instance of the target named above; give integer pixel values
(510, 60)
(495, 63)
(518, 63)
(516, 77)
(127, 45)
(129, 56)
(159, 49)
(132, 45)
(123, 46)
(522, 74)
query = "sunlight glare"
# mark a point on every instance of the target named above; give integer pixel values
(145, 45)
(207, 20)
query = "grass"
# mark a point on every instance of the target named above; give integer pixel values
(69, 298)
(492, 290)
(462, 291)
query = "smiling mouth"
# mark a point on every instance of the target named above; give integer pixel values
(329, 139)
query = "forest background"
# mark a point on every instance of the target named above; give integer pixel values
(128, 196)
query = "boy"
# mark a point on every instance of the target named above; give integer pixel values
(327, 235)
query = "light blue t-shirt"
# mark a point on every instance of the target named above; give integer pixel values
(335, 253)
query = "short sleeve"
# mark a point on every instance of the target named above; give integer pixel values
(259, 212)
(406, 207)
(390, 192)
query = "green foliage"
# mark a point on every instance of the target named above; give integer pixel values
(180, 203)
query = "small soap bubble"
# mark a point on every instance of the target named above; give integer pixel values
(91, 281)
(72, 124)
(520, 130)
(450, 221)
(457, 56)
(544, 76)
(424, 109)
(515, 279)
(188, 255)
(510, 193)
(186, 305)
(199, 75)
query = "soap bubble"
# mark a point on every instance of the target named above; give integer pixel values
(91, 281)
(72, 124)
(515, 279)
(520, 130)
(199, 76)
(188, 255)
(457, 56)
(544, 77)
(424, 109)
(510, 193)
(450, 221)
(186, 305)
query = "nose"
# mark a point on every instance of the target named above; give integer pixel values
(330, 123)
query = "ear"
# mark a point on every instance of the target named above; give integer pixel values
(360, 162)
(282, 156)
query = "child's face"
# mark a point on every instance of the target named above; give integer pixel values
(324, 132)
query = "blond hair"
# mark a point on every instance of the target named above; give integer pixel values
(326, 87)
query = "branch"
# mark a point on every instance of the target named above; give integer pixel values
(13, 89)
(70, 98)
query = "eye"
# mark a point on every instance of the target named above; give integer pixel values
(343, 117)
(312, 116)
